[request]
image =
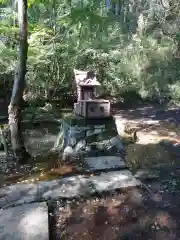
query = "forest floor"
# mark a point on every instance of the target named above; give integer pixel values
(138, 213)
(158, 135)
(130, 214)
(158, 144)
(148, 213)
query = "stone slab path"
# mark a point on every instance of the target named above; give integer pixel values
(30, 220)
(26, 222)
(68, 187)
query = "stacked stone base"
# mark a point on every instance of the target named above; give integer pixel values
(86, 138)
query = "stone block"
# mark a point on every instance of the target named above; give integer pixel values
(80, 185)
(18, 193)
(104, 162)
(67, 187)
(26, 222)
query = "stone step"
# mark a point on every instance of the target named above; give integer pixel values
(26, 222)
(67, 187)
(104, 162)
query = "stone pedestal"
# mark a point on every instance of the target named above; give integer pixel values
(90, 138)
(92, 108)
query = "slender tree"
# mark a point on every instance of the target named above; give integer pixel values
(15, 106)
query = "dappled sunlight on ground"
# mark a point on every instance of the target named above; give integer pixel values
(47, 165)
(156, 123)
(41, 139)
(43, 172)
(121, 216)
(162, 131)
(144, 156)
(132, 214)
(164, 220)
(158, 136)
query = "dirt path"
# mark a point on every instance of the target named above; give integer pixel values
(150, 112)
(159, 122)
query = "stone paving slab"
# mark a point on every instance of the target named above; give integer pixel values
(81, 185)
(18, 193)
(26, 222)
(104, 162)
(67, 187)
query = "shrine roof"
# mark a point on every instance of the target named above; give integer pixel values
(86, 78)
(89, 82)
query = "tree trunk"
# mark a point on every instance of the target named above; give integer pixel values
(4, 143)
(15, 106)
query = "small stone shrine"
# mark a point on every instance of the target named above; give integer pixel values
(87, 105)
(90, 132)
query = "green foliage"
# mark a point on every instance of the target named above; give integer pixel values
(135, 51)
